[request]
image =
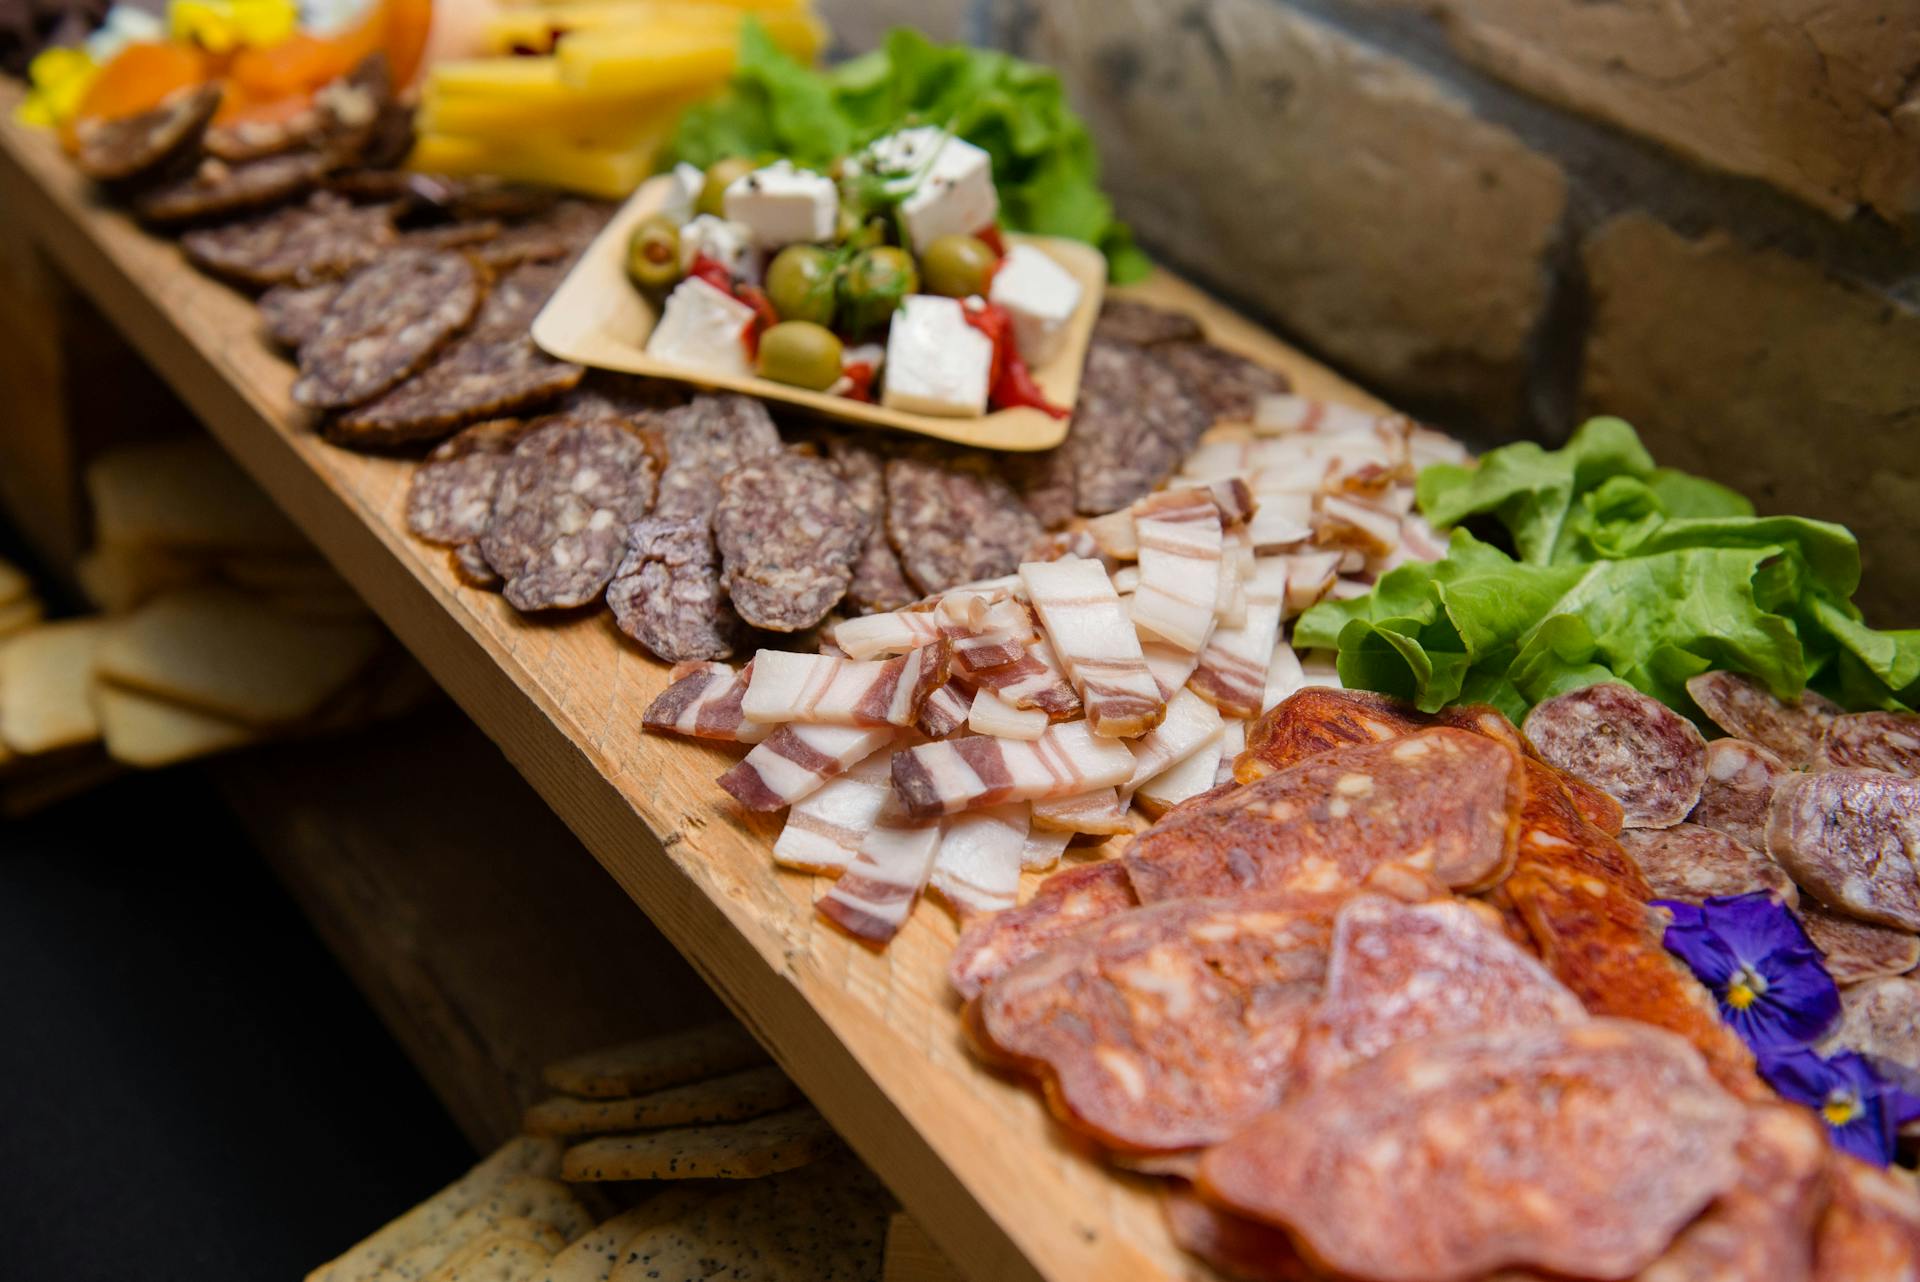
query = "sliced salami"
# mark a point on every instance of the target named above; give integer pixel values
(552, 235)
(292, 313)
(386, 323)
(564, 500)
(954, 522)
(788, 535)
(1852, 837)
(1629, 745)
(666, 593)
(1164, 1028)
(1133, 422)
(460, 235)
(879, 584)
(1747, 710)
(216, 189)
(707, 438)
(451, 493)
(1067, 901)
(1441, 803)
(1740, 781)
(1045, 482)
(1881, 1018)
(1317, 719)
(1692, 863)
(1575, 1148)
(140, 146)
(1871, 1227)
(471, 568)
(1401, 971)
(1226, 384)
(1122, 320)
(1888, 741)
(1855, 950)
(1240, 1248)
(321, 240)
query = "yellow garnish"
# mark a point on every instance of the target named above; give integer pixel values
(60, 77)
(220, 26)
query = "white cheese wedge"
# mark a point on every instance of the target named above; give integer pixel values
(729, 244)
(936, 362)
(1041, 297)
(700, 329)
(949, 183)
(683, 185)
(782, 205)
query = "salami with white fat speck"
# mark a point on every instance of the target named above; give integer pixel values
(1740, 780)
(451, 495)
(706, 438)
(789, 535)
(1855, 950)
(292, 313)
(1888, 741)
(321, 240)
(1629, 745)
(471, 568)
(1852, 838)
(216, 189)
(878, 581)
(1693, 863)
(1132, 424)
(666, 593)
(139, 146)
(1748, 710)
(1122, 320)
(387, 322)
(1226, 384)
(955, 522)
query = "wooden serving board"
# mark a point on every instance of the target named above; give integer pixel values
(871, 1037)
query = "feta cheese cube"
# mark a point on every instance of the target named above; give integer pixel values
(949, 183)
(1040, 295)
(937, 363)
(702, 328)
(727, 243)
(686, 181)
(781, 205)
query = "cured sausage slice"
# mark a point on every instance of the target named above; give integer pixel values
(1316, 719)
(1852, 837)
(1065, 902)
(1693, 863)
(955, 523)
(879, 584)
(666, 593)
(1887, 741)
(1576, 1148)
(1167, 1027)
(215, 188)
(1629, 745)
(1746, 709)
(1740, 780)
(136, 147)
(1122, 320)
(1856, 950)
(1440, 802)
(1871, 1227)
(706, 438)
(471, 568)
(1401, 971)
(1240, 1248)
(292, 313)
(556, 233)
(1133, 422)
(561, 509)
(325, 238)
(451, 494)
(1226, 384)
(788, 535)
(386, 323)
(1880, 1018)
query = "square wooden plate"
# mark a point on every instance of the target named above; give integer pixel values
(597, 318)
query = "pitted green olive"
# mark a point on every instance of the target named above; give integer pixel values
(957, 266)
(801, 283)
(713, 193)
(800, 353)
(653, 254)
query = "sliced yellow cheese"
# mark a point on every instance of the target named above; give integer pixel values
(535, 30)
(738, 6)
(609, 174)
(557, 107)
(634, 57)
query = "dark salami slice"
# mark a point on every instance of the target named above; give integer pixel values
(1575, 1148)
(553, 234)
(1045, 482)
(1629, 745)
(386, 323)
(471, 568)
(320, 240)
(139, 147)
(216, 189)
(1240, 1248)
(1871, 1227)
(1401, 971)
(451, 494)
(1693, 863)
(1855, 950)
(788, 535)
(1740, 780)
(252, 139)
(666, 594)
(1163, 1028)
(491, 370)
(460, 235)
(1852, 837)
(292, 313)
(1123, 320)
(707, 438)
(1228, 385)
(878, 581)
(1132, 424)
(1068, 900)
(357, 113)
(1881, 1018)
(1747, 710)
(1887, 741)
(955, 522)
(561, 510)
(1441, 802)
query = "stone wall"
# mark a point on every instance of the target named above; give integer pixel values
(1506, 214)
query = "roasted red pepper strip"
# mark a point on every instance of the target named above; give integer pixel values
(764, 315)
(860, 375)
(991, 237)
(1009, 381)
(998, 327)
(713, 272)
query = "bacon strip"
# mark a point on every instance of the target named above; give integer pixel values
(1114, 535)
(1190, 726)
(875, 894)
(704, 701)
(1043, 849)
(1099, 811)
(1233, 741)
(977, 869)
(988, 635)
(824, 831)
(945, 710)
(796, 759)
(1180, 553)
(1290, 412)
(965, 774)
(845, 692)
(1091, 633)
(1035, 680)
(874, 636)
(1232, 674)
(1283, 518)
(1199, 772)
(1285, 676)
(994, 716)
(1310, 576)
(1340, 521)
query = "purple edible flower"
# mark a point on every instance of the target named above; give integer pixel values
(1862, 1108)
(1764, 972)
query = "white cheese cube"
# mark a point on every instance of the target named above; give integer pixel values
(949, 183)
(685, 182)
(937, 363)
(1040, 295)
(702, 329)
(727, 243)
(781, 205)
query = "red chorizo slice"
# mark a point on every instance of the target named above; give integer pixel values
(1740, 780)
(1316, 720)
(1575, 1148)
(1852, 837)
(1443, 802)
(1856, 950)
(1693, 863)
(1070, 899)
(1629, 745)
(1164, 1028)
(1238, 1247)
(1748, 710)
(1887, 741)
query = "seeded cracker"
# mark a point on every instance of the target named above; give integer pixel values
(46, 679)
(386, 323)
(652, 1063)
(735, 1151)
(735, 1097)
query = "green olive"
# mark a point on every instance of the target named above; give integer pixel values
(713, 193)
(957, 266)
(801, 353)
(800, 281)
(653, 254)
(857, 230)
(875, 283)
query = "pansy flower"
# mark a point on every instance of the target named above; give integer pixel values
(1766, 975)
(1862, 1107)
